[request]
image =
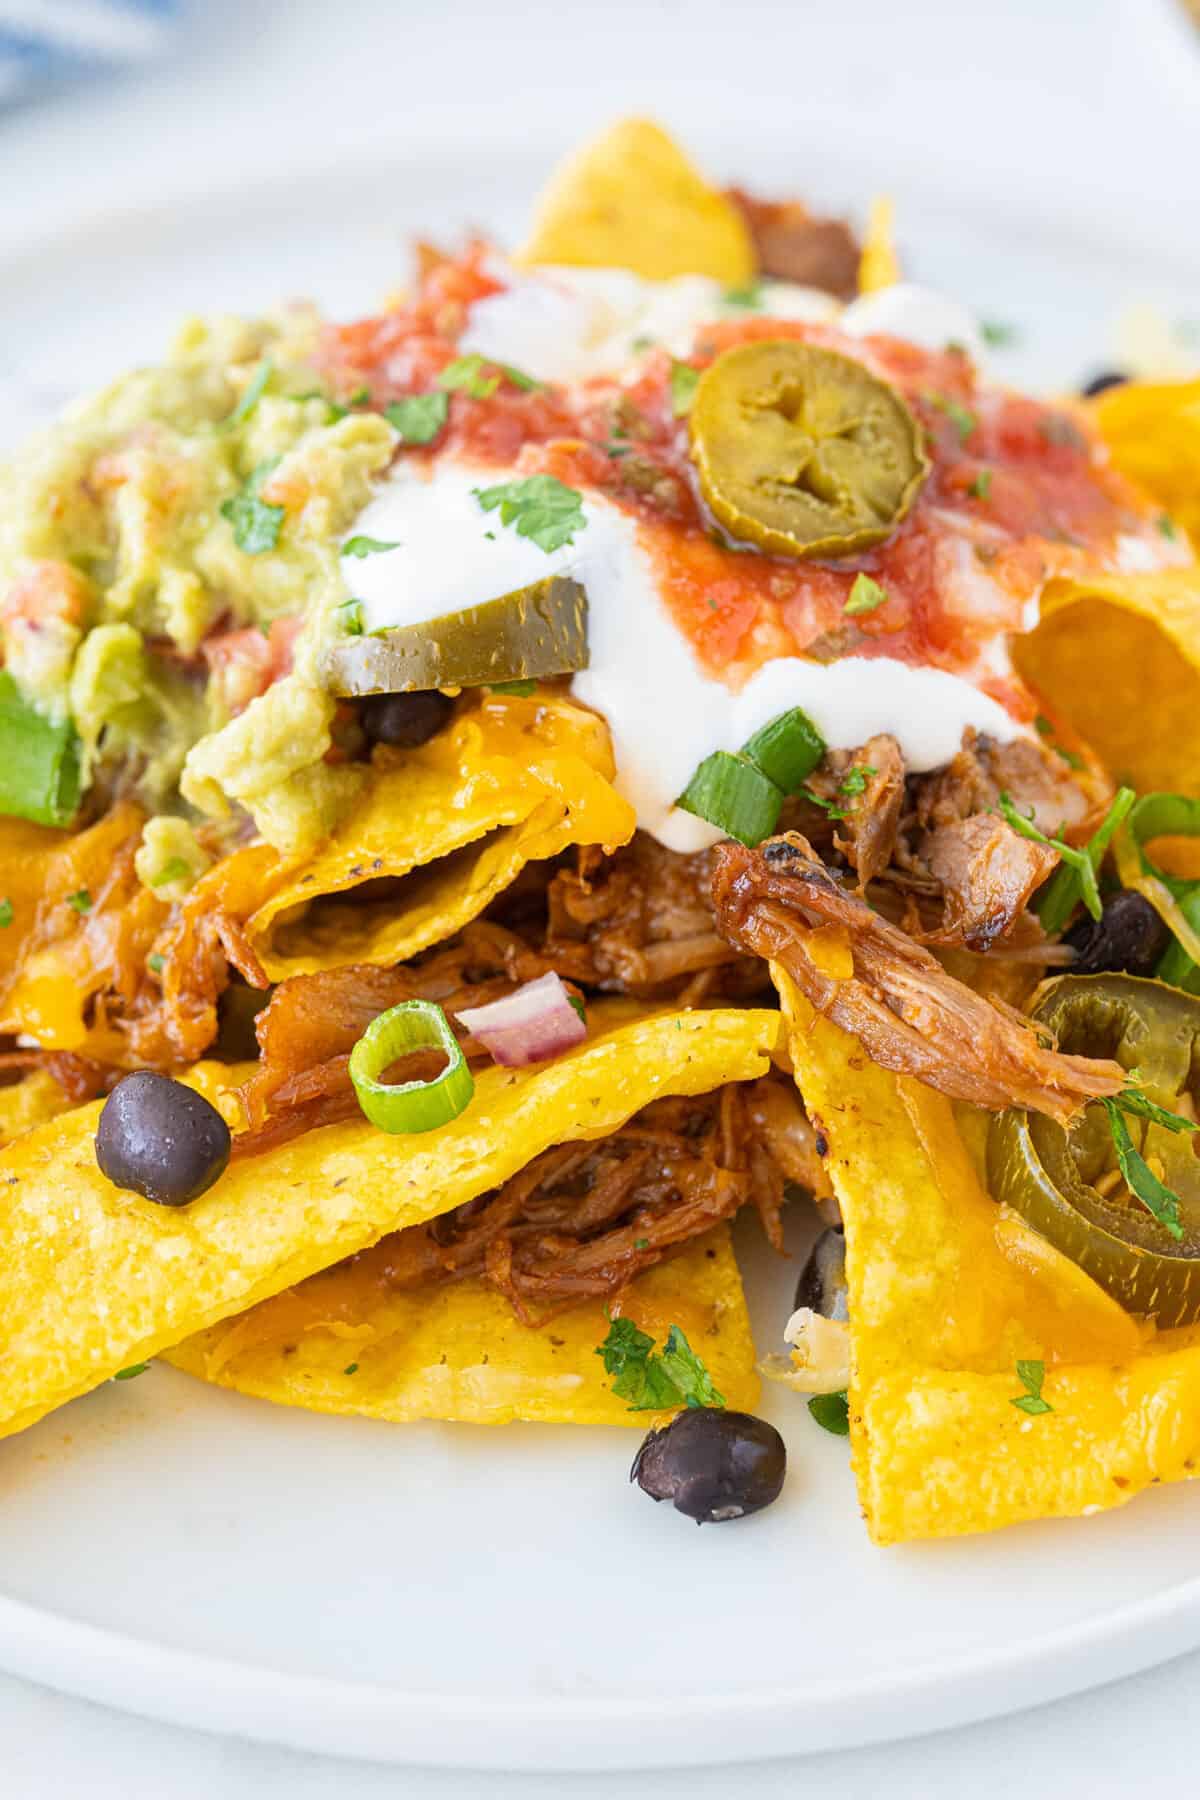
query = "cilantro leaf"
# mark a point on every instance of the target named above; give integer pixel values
(352, 617)
(80, 901)
(1076, 880)
(999, 335)
(683, 388)
(750, 297)
(981, 487)
(865, 596)
(465, 375)
(1031, 1376)
(350, 1369)
(541, 508)
(174, 869)
(832, 1412)
(367, 546)
(255, 524)
(129, 1373)
(251, 395)
(157, 962)
(854, 781)
(418, 417)
(1166, 525)
(1160, 1201)
(6, 914)
(652, 1381)
(1133, 1100)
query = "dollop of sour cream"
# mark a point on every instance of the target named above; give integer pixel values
(665, 714)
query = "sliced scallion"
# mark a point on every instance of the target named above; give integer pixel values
(410, 1106)
(787, 750)
(732, 793)
(40, 771)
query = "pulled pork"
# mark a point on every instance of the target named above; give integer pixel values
(910, 1015)
(792, 245)
(583, 1219)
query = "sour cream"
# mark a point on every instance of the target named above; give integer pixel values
(665, 713)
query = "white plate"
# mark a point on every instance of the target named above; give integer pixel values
(503, 1599)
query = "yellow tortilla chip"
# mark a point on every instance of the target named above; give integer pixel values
(1152, 430)
(631, 200)
(1117, 659)
(947, 1291)
(454, 822)
(341, 1343)
(31, 1101)
(93, 1279)
(879, 265)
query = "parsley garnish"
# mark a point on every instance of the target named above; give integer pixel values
(960, 416)
(997, 334)
(750, 297)
(129, 1373)
(1166, 525)
(174, 869)
(80, 901)
(157, 962)
(418, 417)
(1031, 1376)
(683, 388)
(1077, 879)
(251, 394)
(367, 546)
(541, 508)
(865, 596)
(653, 1380)
(832, 1412)
(1158, 1199)
(465, 375)
(255, 524)
(981, 487)
(6, 914)
(353, 621)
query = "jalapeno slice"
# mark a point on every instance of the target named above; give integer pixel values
(1066, 1183)
(803, 451)
(536, 631)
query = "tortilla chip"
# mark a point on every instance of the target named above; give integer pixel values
(455, 821)
(631, 200)
(947, 1291)
(1117, 658)
(93, 1279)
(1152, 430)
(31, 1101)
(342, 1343)
(879, 265)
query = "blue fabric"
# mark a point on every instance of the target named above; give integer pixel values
(46, 41)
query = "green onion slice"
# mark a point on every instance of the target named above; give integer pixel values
(40, 765)
(787, 750)
(733, 794)
(410, 1105)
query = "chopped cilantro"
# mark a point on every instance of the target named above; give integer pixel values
(251, 394)
(577, 1006)
(129, 1373)
(367, 546)
(1045, 728)
(418, 417)
(1133, 1100)
(350, 1369)
(156, 962)
(832, 1412)
(6, 914)
(541, 508)
(80, 901)
(641, 342)
(749, 298)
(352, 617)
(683, 387)
(999, 335)
(960, 416)
(1031, 1376)
(255, 524)
(1078, 875)
(854, 781)
(616, 451)
(641, 1243)
(360, 397)
(831, 808)
(865, 596)
(1159, 1200)
(653, 1380)
(465, 375)
(174, 869)
(1166, 525)
(521, 689)
(981, 487)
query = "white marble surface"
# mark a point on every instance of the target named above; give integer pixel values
(1096, 97)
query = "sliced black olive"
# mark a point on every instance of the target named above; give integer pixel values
(404, 720)
(161, 1139)
(822, 1283)
(1099, 384)
(1128, 937)
(713, 1465)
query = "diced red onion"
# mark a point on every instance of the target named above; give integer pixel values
(530, 1026)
